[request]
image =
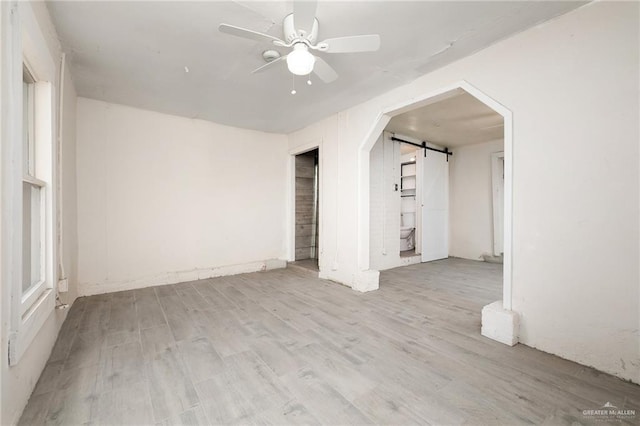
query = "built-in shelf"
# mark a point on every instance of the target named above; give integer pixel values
(408, 180)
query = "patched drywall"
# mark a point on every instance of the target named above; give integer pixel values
(471, 200)
(163, 199)
(571, 84)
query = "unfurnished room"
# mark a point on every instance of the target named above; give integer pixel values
(319, 212)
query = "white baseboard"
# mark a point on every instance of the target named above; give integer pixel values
(89, 289)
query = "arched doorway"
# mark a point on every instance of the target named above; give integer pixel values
(499, 322)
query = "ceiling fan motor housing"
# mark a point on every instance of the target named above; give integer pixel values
(290, 33)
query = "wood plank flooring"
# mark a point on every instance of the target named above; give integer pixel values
(281, 347)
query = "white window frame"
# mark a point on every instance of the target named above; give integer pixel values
(29, 298)
(27, 47)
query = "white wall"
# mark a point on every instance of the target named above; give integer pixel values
(572, 85)
(18, 381)
(385, 204)
(69, 216)
(165, 199)
(471, 200)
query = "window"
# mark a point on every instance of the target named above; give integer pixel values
(27, 172)
(33, 202)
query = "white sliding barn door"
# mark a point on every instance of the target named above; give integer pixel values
(435, 206)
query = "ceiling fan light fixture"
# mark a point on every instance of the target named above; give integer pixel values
(300, 61)
(300, 30)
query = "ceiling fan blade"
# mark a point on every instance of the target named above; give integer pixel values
(245, 33)
(304, 12)
(268, 65)
(360, 43)
(324, 71)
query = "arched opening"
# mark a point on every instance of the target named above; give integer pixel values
(499, 322)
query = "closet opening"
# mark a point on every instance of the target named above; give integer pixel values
(307, 210)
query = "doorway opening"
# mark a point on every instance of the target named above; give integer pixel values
(463, 208)
(307, 209)
(433, 186)
(499, 322)
(441, 196)
(408, 203)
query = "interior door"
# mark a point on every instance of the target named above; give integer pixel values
(435, 206)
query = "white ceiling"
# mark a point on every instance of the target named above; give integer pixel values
(135, 53)
(455, 121)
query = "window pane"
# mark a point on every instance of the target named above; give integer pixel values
(28, 128)
(25, 127)
(31, 236)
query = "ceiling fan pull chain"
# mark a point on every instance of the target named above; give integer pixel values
(293, 84)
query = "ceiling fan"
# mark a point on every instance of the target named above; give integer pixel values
(301, 34)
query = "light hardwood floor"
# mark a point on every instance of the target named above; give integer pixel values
(281, 347)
